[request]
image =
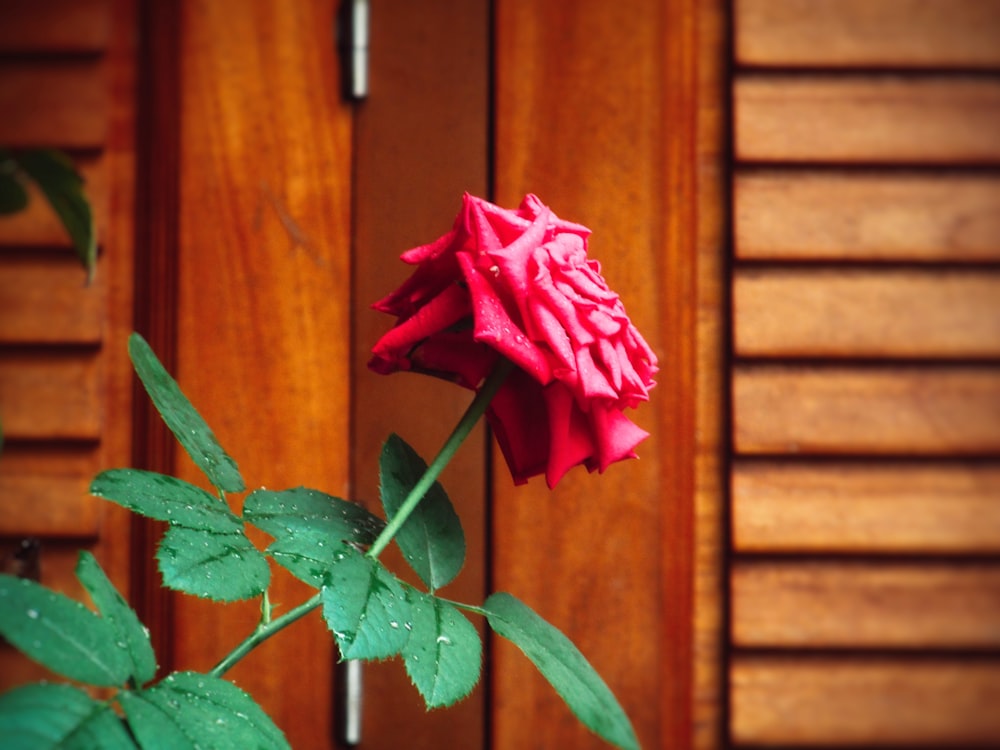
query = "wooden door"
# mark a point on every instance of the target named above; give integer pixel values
(66, 71)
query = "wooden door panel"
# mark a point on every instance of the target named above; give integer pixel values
(804, 702)
(866, 216)
(835, 312)
(936, 508)
(865, 604)
(866, 34)
(876, 119)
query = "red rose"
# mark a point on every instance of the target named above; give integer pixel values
(518, 284)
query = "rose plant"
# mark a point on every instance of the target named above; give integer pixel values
(506, 304)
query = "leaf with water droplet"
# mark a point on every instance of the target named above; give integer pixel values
(361, 600)
(165, 498)
(184, 421)
(444, 653)
(224, 567)
(565, 668)
(131, 634)
(431, 540)
(61, 633)
(188, 709)
(59, 716)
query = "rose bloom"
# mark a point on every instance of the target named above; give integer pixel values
(518, 284)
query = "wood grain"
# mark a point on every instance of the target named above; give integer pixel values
(55, 26)
(51, 396)
(832, 312)
(61, 104)
(50, 506)
(871, 119)
(877, 410)
(264, 320)
(908, 216)
(865, 34)
(862, 604)
(421, 140)
(643, 174)
(855, 701)
(44, 300)
(863, 507)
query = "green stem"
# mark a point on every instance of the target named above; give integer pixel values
(472, 415)
(264, 631)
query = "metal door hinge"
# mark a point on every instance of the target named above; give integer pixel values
(352, 33)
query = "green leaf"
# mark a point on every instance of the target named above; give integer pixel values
(302, 512)
(444, 653)
(61, 634)
(62, 187)
(47, 717)
(166, 498)
(309, 527)
(566, 669)
(13, 196)
(365, 607)
(212, 565)
(180, 416)
(116, 611)
(190, 710)
(431, 539)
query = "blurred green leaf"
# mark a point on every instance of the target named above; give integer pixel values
(432, 540)
(61, 634)
(62, 187)
(566, 669)
(116, 611)
(51, 717)
(183, 420)
(13, 196)
(365, 607)
(444, 653)
(188, 710)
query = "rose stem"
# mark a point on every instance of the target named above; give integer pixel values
(472, 415)
(476, 409)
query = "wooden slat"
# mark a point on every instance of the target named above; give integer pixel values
(868, 33)
(54, 26)
(874, 119)
(843, 410)
(795, 603)
(866, 216)
(50, 396)
(38, 226)
(43, 299)
(941, 508)
(48, 506)
(808, 702)
(59, 104)
(868, 313)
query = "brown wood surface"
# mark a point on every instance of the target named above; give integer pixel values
(865, 702)
(263, 321)
(53, 103)
(834, 312)
(863, 507)
(51, 395)
(861, 604)
(872, 119)
(867, 33)
(886, 216)
(588, 132)
(47, 26)
(876, 410)
(48, 506)
(44, 300)
(420, 142)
